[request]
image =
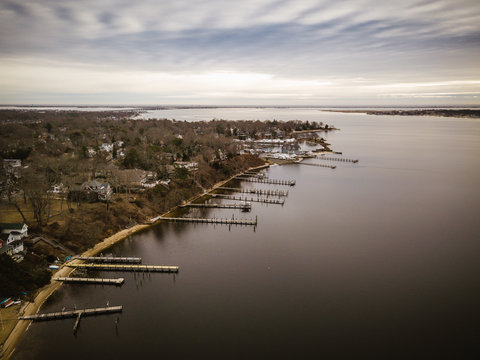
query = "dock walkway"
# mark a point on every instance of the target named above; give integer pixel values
(212, 221)
(268, 192)
(246, 207)
(250, 199)
(112, 267)
(72, 314)
(267, 180)
(318, 165)
(106, 259)
(73, 280)
(321, 157)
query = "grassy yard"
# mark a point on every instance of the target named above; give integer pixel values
(9, 214)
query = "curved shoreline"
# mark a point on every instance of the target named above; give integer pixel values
(32, 308)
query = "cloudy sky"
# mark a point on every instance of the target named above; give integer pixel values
(252, 52)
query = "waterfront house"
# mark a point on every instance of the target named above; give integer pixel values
(103, 191)
(19, 230)
(191, 166)
(11, 243)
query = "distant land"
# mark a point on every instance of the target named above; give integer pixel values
(464, 113)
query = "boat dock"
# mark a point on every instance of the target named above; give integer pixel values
(213, 221)
(72, 314)
(319, 165)
(250, 199)
(321, 157)
(245, 207)
(267, 180)
(73, 280)
(268, 192)
(115, 267)
(100, 259)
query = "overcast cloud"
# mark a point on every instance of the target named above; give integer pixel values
(295, 52)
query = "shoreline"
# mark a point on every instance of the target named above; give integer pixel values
(32, 308)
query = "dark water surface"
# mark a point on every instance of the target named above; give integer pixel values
(377, 259)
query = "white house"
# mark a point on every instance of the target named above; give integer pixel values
(19, 230)
(11, 243)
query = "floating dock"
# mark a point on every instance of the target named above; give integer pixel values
(250, 199)
(73, 280)
(72, 314)
(213, 221)
(107, 259)
(268, 192)
(115, 267)
(267, 180)
(321, 157)
(244, 207)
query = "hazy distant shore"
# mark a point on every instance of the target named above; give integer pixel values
(463, 113)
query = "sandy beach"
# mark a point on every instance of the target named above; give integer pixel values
(33, 307)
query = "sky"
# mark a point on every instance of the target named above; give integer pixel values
(249, 52)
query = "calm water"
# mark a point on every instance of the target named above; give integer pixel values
(379, 258)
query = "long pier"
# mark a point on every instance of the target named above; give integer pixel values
(319, 165)
(212, 221)
(244, 207)
(106, 259)
(73, 280)
(268, 192)
(112, 267)
(72, 314)
(251, 199)
(267, 180)
(321, 157)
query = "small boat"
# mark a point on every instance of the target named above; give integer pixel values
(246, 206)
(4, 301)
(54, 267)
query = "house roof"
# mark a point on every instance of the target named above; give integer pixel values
(11, 226)
(92, 184)
(5, 249)
(4, 237)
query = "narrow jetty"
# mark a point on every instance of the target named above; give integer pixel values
(250, 199)
(253, 173)
(319, 165)
(73, 280)
(268, 192)
(267, 180)
(107, 259)
(112, 267)
(321, 157)
(72, 314)
(213, 221)
(244, 207)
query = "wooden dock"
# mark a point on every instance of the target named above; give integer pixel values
(267, 180)
(72, 314)
(268, 192)
(73, 280)
(250, 199)
(106, 259)
(213, 221)
(318, 165)
(115, 267)
(244, 207)
(321, 157)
